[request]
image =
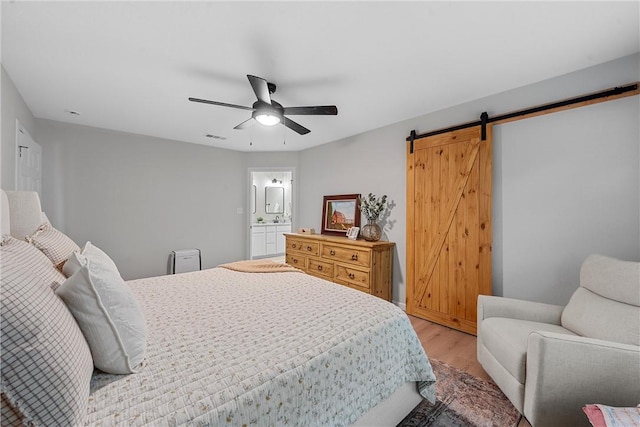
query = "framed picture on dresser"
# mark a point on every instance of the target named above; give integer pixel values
(340, 213)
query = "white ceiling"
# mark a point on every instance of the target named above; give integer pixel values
(130, 66)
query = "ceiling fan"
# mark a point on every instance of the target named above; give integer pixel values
(269, 112)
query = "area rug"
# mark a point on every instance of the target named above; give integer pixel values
(463, 401)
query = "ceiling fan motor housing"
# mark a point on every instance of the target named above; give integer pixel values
(263, 109)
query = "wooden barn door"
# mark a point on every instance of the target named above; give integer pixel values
(449, 226)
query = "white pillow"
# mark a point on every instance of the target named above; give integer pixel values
(78, 259)
(106, 311)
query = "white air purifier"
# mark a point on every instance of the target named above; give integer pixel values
(184, 260)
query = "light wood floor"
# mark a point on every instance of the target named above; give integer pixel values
(452, 347)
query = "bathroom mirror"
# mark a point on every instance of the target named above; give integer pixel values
(274, 200)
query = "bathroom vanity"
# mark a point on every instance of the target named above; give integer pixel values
(267, 239)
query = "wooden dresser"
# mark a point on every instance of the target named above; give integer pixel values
(358, 264)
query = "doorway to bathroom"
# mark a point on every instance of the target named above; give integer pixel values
(271, 212)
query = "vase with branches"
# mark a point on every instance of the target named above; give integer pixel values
(372, 207)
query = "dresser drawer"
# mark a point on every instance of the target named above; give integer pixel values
(297, 261)
(353, 276)
(353, 256)
(309, 248)
(320, 268)
(352, 286)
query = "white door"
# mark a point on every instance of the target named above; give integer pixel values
(28, 161)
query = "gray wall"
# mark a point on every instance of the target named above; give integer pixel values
(373, 162)
(139, 198)
(13, 107)
(570, 188)
(543, 263)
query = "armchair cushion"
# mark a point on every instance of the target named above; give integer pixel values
(590, 315)
(612, 278)
(507, 339)
(492, 306)
(607, 303)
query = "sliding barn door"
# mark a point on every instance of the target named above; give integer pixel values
(449, 226)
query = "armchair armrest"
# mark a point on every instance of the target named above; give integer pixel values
(492, 306)
(566, 372)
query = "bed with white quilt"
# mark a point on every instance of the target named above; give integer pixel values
(218, 347)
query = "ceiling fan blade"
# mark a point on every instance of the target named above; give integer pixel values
(261, 88)
(319, 110)
(296, 127)
(222, 104)
(244, 124)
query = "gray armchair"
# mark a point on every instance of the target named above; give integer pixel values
(550, 360)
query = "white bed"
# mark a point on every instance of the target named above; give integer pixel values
(234, 348)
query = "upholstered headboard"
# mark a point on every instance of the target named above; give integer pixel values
(21, 213)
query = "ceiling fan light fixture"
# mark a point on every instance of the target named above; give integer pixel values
(267, 119)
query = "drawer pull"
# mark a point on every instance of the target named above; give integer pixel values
(354, 257)
(332, 252)
(309, 248)
(293, 246)
(319, 268)
(352, 276)
(295, 261)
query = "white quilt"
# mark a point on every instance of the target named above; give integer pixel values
(260, 349)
